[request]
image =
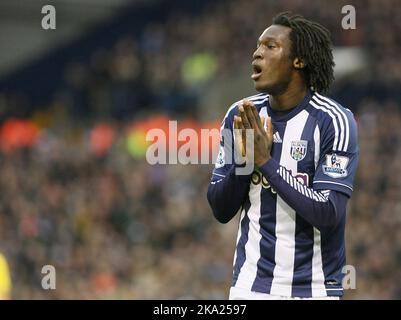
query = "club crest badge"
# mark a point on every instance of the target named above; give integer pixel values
(336, 166)
(298, 149)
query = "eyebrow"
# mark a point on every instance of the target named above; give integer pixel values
(266, 40)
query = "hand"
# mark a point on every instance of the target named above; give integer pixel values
(248, 118)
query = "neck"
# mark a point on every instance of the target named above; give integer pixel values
(288, 99)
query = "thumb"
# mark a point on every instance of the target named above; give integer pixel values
(238, 135)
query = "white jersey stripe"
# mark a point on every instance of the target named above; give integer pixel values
(285, 215)
(316, 138)
(331, 182)
(257, 95)
(320, 196)
(249, 270)
(345, 119)
(258, 99)
(338, 117)
(263, 112)
(219, 175)
(336, 132)
(318, 287)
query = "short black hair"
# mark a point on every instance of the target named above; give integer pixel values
(310, 42)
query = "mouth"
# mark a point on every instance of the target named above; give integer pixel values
(257, 71)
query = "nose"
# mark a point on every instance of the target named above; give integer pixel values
(257, 54)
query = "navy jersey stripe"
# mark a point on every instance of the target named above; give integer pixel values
(241, 243)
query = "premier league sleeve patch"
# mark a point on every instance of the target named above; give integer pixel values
(336, 166)
(220, 162)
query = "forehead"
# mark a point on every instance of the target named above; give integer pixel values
(276, 32)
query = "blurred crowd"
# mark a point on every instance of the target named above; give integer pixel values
(168, 67)
(114, 226)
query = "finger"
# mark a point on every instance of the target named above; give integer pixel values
(244, 118)
(257, 117)
(236, 126)
(250, 115)
(243, 136)
(244, 139)
(239, 139)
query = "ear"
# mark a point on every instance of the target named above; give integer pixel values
(299, 63)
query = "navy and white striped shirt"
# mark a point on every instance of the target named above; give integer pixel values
(292, 209)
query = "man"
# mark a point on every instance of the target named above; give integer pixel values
(292, 207)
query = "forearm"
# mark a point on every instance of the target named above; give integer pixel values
(322, 209)
(227, 194)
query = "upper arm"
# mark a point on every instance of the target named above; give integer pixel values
(339, 154)
(225, 158)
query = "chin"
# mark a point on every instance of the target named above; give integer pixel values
(272, 89)
(260, 87)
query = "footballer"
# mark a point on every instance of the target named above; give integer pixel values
(292, 207)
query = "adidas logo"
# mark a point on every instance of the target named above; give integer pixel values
(276, 138)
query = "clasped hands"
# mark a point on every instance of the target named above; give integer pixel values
(248, 118)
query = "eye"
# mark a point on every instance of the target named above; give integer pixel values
(271, 46)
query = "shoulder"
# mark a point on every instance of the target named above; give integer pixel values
(257, 99)
(334, 120)
(327, 109)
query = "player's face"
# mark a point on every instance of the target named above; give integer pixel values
(272, 63)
